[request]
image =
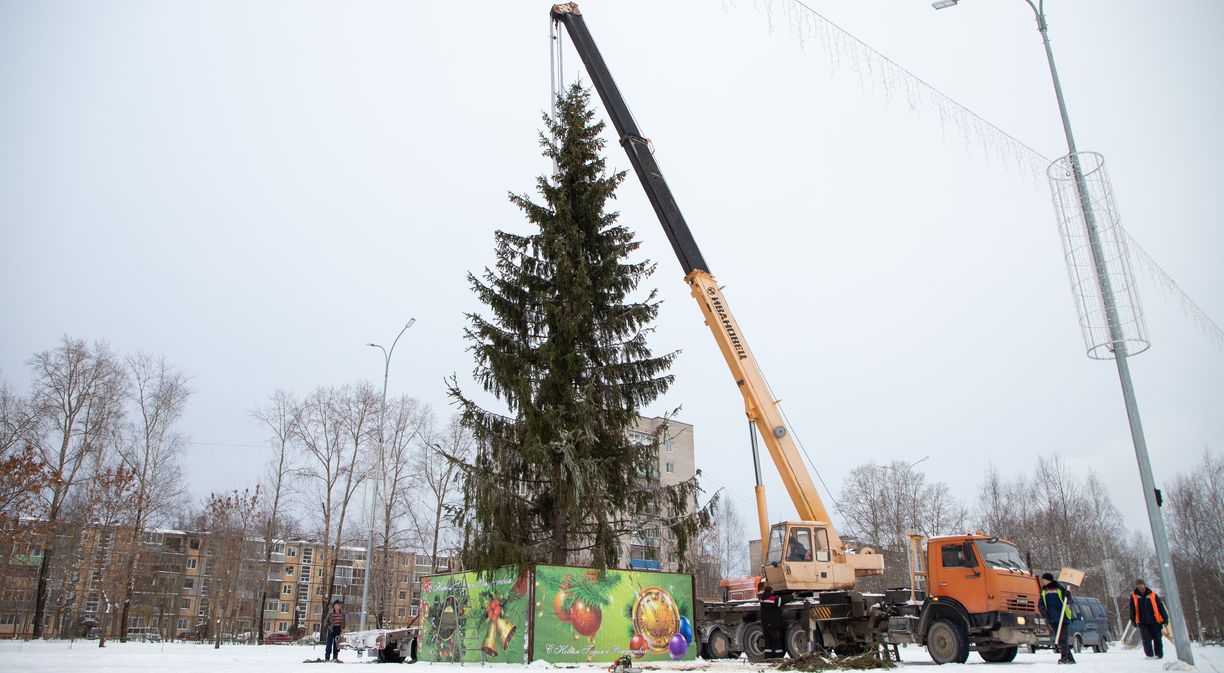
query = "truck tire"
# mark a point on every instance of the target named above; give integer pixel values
(947, 642)
(1079, 644)
(1101, 647)
(717, 646)
(797, 641)
(752, 639)
(389, 655)
(999, 655)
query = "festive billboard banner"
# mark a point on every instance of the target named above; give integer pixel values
(469, 618)
(583, 615)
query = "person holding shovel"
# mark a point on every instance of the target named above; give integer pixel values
(1056, 603)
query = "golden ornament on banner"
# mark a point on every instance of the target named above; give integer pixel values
(656, 617)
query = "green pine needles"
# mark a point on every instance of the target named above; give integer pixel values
(563, 346)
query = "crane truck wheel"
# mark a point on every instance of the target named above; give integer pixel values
(1079, 644)
(753, 641)
(797, 641)
(717, 646)
(947, 642)
(999, 655)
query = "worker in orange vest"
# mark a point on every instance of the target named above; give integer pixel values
(1147, 613)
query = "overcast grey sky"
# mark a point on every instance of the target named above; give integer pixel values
(257, 189)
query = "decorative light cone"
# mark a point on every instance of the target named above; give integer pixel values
(1079, 206)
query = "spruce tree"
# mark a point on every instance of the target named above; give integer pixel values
(564, 348)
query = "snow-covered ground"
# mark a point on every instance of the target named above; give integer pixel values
(85, 655)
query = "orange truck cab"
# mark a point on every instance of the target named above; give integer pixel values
(979, 594)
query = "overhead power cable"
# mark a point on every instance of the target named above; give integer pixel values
(876, 70)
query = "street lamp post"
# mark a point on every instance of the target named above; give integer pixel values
(382, 417)
(1181, 638)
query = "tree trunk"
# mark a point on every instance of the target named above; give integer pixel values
(40, 595)
(560, 538)
(130, 586)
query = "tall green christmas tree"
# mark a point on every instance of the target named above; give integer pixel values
(564, 348)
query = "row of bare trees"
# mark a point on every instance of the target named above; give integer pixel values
(1196, 531)
(1059, 518)
(91, 453)
(92, 441)
(336, 445)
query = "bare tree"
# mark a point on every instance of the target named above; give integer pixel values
(334, 433)
(281, 418)
(232, 520)
(408, 423)
(158, 394)
(107, 511)
(78, 392)
(439, 476)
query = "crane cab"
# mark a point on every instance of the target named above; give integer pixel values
(800, 558)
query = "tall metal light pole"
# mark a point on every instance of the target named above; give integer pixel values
(382, 417)
(1117, 344)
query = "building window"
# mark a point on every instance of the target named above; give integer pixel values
(319, 574)
(318, 591)
(273, 605)
(200, 612)
(403, 595)
(191, 563)
(318, 609)
(281, 626)
(671, 468)
(414, 611)
(182, 624)
(288, 570)
(287, 589)
(189, 583)
(195, 543)
(671, 446)
(399, 612)
(9, 620)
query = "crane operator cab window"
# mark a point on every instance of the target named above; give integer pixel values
(774, 553)
(799, 545)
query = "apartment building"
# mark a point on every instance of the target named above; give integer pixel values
(173, 578)
(652, 546)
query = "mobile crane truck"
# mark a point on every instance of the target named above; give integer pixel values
(978, 593)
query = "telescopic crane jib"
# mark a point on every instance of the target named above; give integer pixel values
(835, 567)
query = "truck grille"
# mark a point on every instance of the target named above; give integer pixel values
(1021, 603)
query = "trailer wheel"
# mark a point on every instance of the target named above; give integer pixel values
(1000, 655)
(389, 655)
(717, 646)
(797, 641)
(947, 642)
(753, 641)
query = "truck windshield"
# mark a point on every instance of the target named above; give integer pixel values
(775, 544)
(1001, 555)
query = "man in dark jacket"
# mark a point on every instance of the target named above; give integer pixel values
(334, 621)
(771, 620)
(1056, 602)
(1147, 613)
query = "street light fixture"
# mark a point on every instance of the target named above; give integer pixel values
(1117, 342)
(382, 417)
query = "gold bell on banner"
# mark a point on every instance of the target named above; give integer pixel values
(498, 637)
